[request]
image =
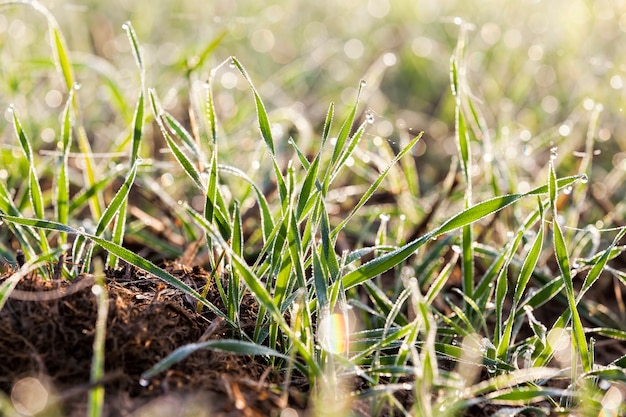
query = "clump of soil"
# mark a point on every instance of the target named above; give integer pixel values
(47, 332)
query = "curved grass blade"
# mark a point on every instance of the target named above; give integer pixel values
(132, 37)
(266, 131)
(264, 123)
(180, 156)
(238, 347)
(184, 136)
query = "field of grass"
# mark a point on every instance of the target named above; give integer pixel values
(400, 208)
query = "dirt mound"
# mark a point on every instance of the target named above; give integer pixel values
(47, 332)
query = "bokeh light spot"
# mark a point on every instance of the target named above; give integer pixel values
(262, 40)
(29, 396)
(354, 49)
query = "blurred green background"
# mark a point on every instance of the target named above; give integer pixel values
(538, 70)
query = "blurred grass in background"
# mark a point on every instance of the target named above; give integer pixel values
(538, 69)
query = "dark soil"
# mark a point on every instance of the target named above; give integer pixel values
(47, 332)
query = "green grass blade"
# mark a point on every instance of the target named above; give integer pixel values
(327, 124)
(137, 127)
(184, 136)
(344, 132)
(307, 189)
(562, 257)
(238, 347)
(114, 207)
(132, 38)
(34, 188)
(264, 123)
(599, 264)
(96, 394)
(62, 185)
(320, 281)
(178, 153)
(210, 113)
(60, 53)
(328, 249)
(347, 153)
(211, 193)
(530, 262)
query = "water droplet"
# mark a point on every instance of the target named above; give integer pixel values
(604, 384)
(144, 382)
(76, 86)
(568, 190)
(125, 26)
(454, 343)
(96, 289)
(384, 217)
(232, 63)
(11, 109)
(363, 83)
(584, 179)
(554, 153)
(491, 369)
(369, 118)
(206, 85)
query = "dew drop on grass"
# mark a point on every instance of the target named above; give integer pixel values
(604, 384)
(568, 190)
(144, 382)
(11, 109)
(369, 118)
(125, 26)
(231, 63)
(363, 83)
(96, 289)
(554, 153)
(76, 86)
(584, 179)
